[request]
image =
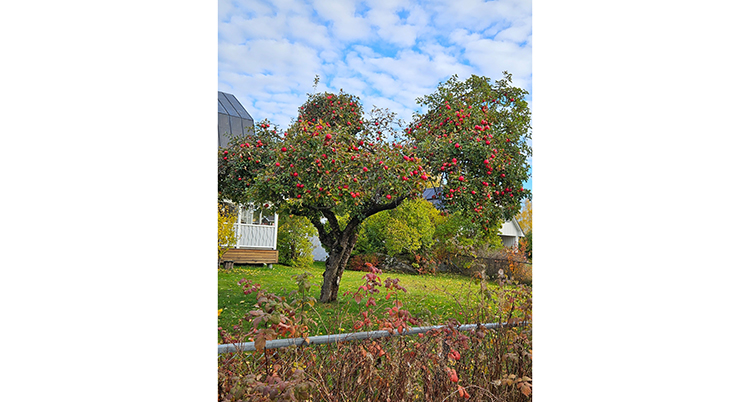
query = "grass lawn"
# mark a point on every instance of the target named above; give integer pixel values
(431, 298)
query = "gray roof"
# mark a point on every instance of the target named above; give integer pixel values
(432, 195)
(234, 120)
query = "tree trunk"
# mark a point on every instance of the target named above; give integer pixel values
(335, 265)
(340, 243)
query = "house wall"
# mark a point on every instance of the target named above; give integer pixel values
(509, 241)
(509, 229)
(319, 253)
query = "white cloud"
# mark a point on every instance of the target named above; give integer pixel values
(478, 15)
(303, 29)
(517, 33)
(387, 52)
(347, 26)
(492, 57)
(389, 26)
(352, 85)
(226, 10)
(278, 57)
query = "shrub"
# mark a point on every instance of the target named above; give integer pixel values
(518, 266)
(508, 263)
(408, 229)
(525, 242)
(227, 237)
(455, 234)
(294, 240)
(359, 262)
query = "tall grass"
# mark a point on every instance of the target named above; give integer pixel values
(440, 365)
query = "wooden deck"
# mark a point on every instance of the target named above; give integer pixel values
(250, 256)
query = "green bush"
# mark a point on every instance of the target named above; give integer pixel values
(456, 234)
(408, 229)
(526, 243)
(227, 238)
(294, 240)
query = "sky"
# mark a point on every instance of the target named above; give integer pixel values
(388, 53)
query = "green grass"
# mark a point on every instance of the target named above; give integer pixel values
(431, 298)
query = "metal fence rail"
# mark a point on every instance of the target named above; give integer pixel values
(353, 336)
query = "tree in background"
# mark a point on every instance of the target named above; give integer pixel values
(524, 217)
(524, 220)
(294, 243)
(333, 162)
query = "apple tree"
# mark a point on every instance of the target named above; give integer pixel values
(332, 165)
(337, 168)
(474, 138)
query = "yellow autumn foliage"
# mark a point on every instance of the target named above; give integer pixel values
(227, 237)
(524, 217)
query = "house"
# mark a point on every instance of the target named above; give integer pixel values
(256, 227)
(234, 120)
(510, 232)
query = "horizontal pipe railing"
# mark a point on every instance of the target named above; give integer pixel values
(352, 336)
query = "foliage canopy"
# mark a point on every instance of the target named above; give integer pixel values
(334, 162)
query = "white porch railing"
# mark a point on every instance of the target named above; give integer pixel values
(255, 236)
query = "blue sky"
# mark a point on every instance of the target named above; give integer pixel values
(386, 52)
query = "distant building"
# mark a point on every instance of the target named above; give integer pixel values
(234, 120)
(256, 228)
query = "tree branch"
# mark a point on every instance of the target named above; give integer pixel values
(375, 208)
(332, 222)
(325, 237)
